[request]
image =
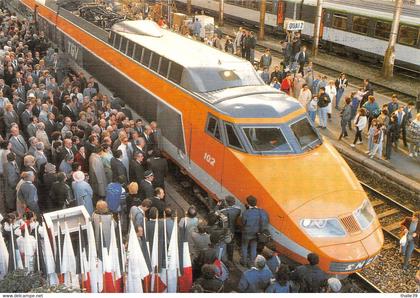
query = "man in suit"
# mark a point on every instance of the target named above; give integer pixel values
(19, 146)
(5, 89)
(10, 117)
(150, 142)
(11, 173)
(117, 167)
(146, 185)
(25, 118)
(31, 128)
(50, 125)
(158, 200)
(139, 126)
(302, 59)
(140, 147)
(32, 145)
(136, 168)
(159, 167)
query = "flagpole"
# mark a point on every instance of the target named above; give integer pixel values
(80, 257)
(13, 246)
(102, 253)
(165, 249)
(176, 222)
(122, 251)
(37, 252)
(59, 244)
(157, 245)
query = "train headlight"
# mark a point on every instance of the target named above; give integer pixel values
(330, 227)
(365, 214)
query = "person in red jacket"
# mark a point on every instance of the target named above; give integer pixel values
(286, 84)
(411, 228)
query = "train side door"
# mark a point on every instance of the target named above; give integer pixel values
(213, 154)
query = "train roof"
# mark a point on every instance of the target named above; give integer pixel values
(227, 82)
(182, 50)
(259, 105)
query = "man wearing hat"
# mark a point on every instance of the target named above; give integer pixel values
(256, 279)
(82, 191)
(146, 185)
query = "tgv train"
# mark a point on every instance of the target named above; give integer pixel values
(359, 29)
(230, 132)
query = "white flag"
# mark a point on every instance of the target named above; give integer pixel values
(49, 257)
(68, 261)
(173, 260)
(4, 258)
(94, 266)
(137, 267)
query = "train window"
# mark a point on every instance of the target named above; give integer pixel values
(382, 29)
(111, 37)
(408, 35)
(266, 139)
(164, 66)
(155, 62)
(360, 24)
(146, 57)
(339, 21)
(232, 138)
(304, 133)
(130, 48)
(117, 41)
(213, 127)
(175, 73)
(123, 44)
(137, 53)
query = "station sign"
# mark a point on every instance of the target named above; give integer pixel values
(293, 25)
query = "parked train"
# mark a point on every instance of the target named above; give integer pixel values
(230, 132)
(359, 29)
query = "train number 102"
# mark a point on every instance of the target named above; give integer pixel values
(211, 160)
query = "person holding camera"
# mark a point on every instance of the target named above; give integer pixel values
(254, 222)
(232, 211)
(218, 226)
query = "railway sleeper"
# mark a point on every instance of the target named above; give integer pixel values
(388, 213)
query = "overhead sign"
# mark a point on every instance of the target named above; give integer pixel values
(293, 25)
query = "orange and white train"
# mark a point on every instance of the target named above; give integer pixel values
(229, 131)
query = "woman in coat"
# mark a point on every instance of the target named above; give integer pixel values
(42, 136)
(82, 191)
(345, 118)
(104, 216)
(413, 136)
(360, 123)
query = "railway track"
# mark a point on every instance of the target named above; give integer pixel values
(386, 273)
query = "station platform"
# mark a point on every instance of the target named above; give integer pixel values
(401, 167)
(398, 83)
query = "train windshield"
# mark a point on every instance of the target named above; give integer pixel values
(266, 139)
(208, 79)
(305, 134)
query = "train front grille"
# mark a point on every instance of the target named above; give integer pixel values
(350, 224)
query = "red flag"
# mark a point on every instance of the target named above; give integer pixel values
(185, 280)
(108, 279)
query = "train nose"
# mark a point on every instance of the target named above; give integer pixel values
(355, 255)
(345, 230)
